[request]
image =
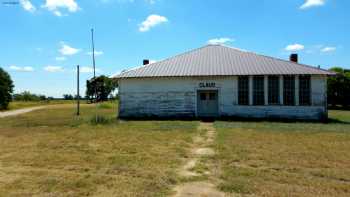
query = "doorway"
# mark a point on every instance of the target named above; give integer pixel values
(207, 103)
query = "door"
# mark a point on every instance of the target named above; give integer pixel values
(207, 103)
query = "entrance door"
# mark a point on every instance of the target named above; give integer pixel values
(207, 103)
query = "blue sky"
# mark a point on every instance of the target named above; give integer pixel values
(44, 40)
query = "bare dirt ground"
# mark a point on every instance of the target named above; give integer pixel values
(19, 111)
(203, 184)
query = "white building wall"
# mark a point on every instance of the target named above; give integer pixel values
(177, 97)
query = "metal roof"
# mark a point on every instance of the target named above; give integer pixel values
(218, 60)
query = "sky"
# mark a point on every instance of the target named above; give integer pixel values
(42, 41)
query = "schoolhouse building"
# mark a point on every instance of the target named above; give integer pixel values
(220, 81)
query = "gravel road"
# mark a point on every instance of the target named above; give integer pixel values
(19, 111)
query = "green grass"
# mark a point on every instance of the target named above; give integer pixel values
(51, 152)
(285, 159)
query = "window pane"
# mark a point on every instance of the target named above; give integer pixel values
(243, 90)
(289, 90)
(304, 90)
(258, 90)
(203, 96)
(212, 96)
(274, 90)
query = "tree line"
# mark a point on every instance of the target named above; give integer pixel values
(102, 85)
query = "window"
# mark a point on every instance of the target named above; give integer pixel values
(258, 90)
(274, 90)
(289, 90)
(203, 96)
(212, 96)
(243, 90)
(304, 90)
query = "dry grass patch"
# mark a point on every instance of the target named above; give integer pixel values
(50, 152)
(285, 159)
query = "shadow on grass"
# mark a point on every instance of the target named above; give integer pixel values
(339, 108)
(337, 121)
(235, 119)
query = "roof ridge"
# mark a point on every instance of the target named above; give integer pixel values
(215, 49)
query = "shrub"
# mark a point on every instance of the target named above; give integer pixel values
(6, 89)
(99, 119)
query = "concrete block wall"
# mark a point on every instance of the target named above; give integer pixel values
(177, 97)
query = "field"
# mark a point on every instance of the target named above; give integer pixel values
(285, 159)
(51, 152)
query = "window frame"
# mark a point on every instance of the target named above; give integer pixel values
(305, 90)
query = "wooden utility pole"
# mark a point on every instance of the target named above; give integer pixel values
(93, 63)
(78, 92)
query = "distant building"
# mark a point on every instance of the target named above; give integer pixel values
(219, 81)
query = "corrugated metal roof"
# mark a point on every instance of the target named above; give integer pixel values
(218, 60)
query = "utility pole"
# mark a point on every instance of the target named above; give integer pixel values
(93, 63)
(78, 94)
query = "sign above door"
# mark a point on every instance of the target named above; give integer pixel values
(207, 85)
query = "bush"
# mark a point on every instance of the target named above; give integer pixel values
(6, 89)
(339, 87)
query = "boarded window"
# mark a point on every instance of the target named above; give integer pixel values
(304, 90)
(274, 90)
(289, 90)
(243, 90)
(258, 90)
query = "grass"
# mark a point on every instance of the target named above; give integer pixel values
(51, 152)
(25, 104)
(285, 159)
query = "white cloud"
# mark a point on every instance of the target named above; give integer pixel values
(68, 50)
(27, 5)
(151, 21)
(55, 5)
(57, 13)
(53, 69)
(60, 58)
(97, 53)
(312, 3)
(88, 69)
(220, 40)
(328, 49)
(22, 69)
(295, 47)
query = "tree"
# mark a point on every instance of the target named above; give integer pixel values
(6, 89)
(339, 87)
(26, 96)
(103, 85)
(68, 97)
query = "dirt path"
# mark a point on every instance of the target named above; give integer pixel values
(199, 182)
(19, 111)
